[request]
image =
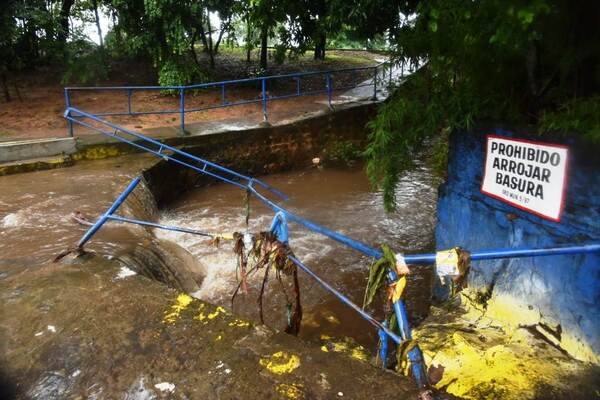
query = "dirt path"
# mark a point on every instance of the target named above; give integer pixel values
(39, 114)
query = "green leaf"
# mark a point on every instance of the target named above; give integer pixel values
(525, 16)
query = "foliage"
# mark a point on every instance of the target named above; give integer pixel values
(581, 115)
(377, 274)
(84, 64)
(280, 53)
(438, 155)
(34, 32)
(174, 72)
(345, 151)
(481, 61)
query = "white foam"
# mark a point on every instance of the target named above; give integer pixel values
(220, 263)
(165, 387)
(125, 272)
(12, 220)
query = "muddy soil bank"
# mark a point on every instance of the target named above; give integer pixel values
(88, 330)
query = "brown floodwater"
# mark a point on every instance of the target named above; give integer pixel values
(35, 225)
(341, 199)
(35, 209)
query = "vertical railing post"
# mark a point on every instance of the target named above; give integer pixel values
(375, 84)
(129, 101)
(415, 356)
(182, 109)
(390, 66)
(264, 99)
(104, 217)
(298, 85)
(68, 103)
(383, 349)
(329, 91)
(223, 94)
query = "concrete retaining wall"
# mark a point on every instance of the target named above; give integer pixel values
(262, 150)
(38, 148)
(560, 295)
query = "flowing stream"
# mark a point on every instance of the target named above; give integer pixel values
(340, 199)
(35, 225)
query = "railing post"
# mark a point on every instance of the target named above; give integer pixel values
(415, 356)
(68, 103)
(298, 85)
(375, 84)
(223, 94)
(182, 109)
(98, 224)
(390, 66)
(129, 101)
(383, 349)
(264, 99)
(329, 91)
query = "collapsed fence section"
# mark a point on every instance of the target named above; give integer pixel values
(279, 228)
(244, 182)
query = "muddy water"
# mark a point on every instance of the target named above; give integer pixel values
(339, 199)
(35, 225)
(35, 210)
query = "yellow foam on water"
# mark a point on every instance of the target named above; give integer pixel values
(292, 391)
(280, 363)
(181, 303)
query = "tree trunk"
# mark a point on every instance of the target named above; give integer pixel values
(248, 40)
(320, 47)
(63, 20)
(193, 49)
(5, 87)
(264, 35)
(203, 33)
(95, 5)
(210, 41)
(224, 27)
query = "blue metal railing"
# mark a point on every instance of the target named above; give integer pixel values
(226, 175)
(378, 74)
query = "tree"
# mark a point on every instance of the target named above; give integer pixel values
(265, 15)
(199, 25)
(65, 12)
(495, 60)
(8, 34)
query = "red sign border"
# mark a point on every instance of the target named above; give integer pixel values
(519, 206)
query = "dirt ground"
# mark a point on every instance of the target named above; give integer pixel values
(38, 114)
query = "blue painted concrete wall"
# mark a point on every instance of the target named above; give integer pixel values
(565, 289)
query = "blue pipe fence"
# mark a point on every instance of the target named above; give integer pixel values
(268, 89)
(282, 216)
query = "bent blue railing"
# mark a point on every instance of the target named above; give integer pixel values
(227, 175)
(379, 74)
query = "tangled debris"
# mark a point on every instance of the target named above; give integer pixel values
(264, 251)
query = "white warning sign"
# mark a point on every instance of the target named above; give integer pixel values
(529, 175)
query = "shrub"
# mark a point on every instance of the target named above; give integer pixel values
(86, 63)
